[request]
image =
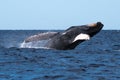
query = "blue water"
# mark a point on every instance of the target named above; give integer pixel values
(96, 59)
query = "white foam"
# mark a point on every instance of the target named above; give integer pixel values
(34, 44)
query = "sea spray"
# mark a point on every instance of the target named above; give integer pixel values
(34, 44)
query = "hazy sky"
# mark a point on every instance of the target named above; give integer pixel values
(58, 14)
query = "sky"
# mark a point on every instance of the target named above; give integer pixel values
(58, 14)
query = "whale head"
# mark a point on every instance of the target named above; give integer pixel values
(74, 35)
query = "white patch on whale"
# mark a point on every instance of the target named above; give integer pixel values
(82, 36)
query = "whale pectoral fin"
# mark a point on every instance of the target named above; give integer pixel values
(41, 36)
(81, 36)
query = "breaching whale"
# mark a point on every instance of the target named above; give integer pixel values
(65, 40)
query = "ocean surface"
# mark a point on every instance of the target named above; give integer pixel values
(96, 59)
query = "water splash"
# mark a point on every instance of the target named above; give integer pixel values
(35, 44)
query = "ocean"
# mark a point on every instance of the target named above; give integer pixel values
(95, 59)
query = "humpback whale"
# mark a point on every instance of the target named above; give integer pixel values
(65, 40)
